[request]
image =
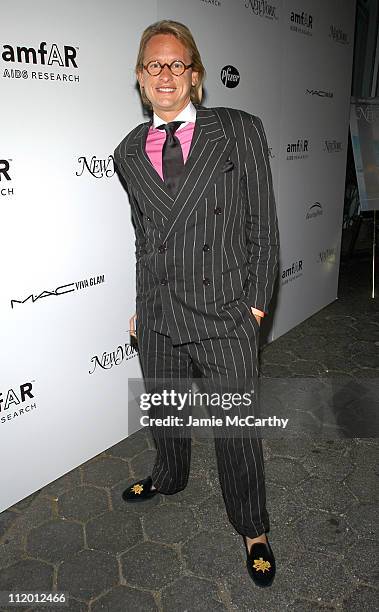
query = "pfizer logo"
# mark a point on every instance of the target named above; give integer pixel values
(230, 76)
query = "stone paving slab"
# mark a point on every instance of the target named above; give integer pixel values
(192, 593)
(122, 598)
(55, 540)
(83, 503)
(88, 574)
(151, 565)
(6, 520)
(114, 532)
(179, 552)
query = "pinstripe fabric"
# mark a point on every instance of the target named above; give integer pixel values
(222, 362)
(203, 259)
(206, 255)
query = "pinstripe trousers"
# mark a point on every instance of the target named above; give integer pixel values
(222, 362)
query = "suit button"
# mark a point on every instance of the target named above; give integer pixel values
(206, 248)
(206, 282)
(162, 248)
(164, 281)
(218, 210)
(148, 219)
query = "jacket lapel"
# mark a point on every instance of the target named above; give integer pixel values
(143, 173)
(209, 150)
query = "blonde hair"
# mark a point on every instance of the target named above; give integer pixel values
(183, 34)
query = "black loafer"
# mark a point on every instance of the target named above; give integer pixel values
(139, 491)
(260, 563)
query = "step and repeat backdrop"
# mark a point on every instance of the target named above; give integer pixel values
(69, 95)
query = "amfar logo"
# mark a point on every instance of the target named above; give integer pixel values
(69, 288)
(319, 92)
(96, 167)
(4, 169)
(262, 8)
(113, 358)
(338, 35)
(315, 210)
(327, 256)
(332, 146)
(298, 150)
(301, 22)
(230, 76)
(292, 272)
(11, 399)
(65, 56)
(5, 175)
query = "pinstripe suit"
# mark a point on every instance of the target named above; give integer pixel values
(203, 258)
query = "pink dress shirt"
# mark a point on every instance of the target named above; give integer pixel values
(155, 141)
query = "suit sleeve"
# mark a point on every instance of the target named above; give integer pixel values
(262, 236)
(140, 238)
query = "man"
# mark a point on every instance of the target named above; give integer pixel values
(200, 189)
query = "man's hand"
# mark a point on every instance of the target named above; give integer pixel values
(132, 326)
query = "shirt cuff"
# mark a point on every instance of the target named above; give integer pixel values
(255, 311)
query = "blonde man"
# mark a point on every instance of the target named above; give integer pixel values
(202, 202)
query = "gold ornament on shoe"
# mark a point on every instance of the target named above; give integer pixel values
(137, 489)
(261, 566)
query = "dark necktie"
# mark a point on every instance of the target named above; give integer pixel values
(172, 157)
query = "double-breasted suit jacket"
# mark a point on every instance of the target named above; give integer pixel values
(205, 256)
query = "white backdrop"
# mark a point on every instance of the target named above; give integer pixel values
(68, 278)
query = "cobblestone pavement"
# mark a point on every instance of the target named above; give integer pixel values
(180, 553)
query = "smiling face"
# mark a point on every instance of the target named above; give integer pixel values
(168, 93)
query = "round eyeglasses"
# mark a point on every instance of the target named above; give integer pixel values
(177, 67)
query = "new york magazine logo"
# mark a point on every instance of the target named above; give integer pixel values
(262, 8)
(6, 187)
(368, 113)
(338, 35)
(45, 62)
(332, 146)
(327, 256)
(212, 2)
(108, 359)
(96, 166)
